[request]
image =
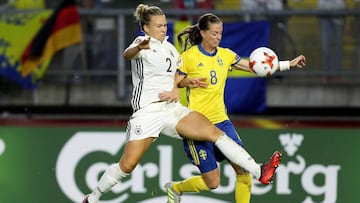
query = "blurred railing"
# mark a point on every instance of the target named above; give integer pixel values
(302, 33)
(81, 70)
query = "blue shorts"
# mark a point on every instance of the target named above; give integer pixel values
(205, 155)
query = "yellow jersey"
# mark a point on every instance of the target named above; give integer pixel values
(196, 63)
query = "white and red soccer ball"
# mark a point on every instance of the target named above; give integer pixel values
(263, 61)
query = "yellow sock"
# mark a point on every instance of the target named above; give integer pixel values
(192, 184)
(243, 188)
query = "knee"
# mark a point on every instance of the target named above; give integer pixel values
(240, 171)
(213, 184)
(127, 167)
(215, 133)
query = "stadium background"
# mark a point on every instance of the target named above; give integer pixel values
(55, 140)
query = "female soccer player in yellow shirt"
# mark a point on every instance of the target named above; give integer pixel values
(203, 70)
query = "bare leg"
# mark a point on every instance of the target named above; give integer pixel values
(212, 178)
(133, 152)
(205, 182)
(196, 126)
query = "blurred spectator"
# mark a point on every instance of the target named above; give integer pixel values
(332, 34)
(99, 39)
(189, 4)
(88, 30)
(3, 7)
(278, 24)
(192, 4)
(355, 32)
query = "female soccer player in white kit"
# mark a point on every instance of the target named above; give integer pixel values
(157, 109)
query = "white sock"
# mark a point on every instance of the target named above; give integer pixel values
(238, 155)
(111, 177)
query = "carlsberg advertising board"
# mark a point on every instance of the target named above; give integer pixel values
(61, 164)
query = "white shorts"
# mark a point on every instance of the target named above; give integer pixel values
(160, 117)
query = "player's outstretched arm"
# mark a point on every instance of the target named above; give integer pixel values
(298, 62)
(243, 64)
(139, 44)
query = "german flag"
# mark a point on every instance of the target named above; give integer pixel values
(62, 29)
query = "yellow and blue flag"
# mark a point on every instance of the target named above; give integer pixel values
(29, 39)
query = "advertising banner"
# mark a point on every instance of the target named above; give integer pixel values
(61, 164)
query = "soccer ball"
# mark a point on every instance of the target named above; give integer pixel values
(263, 61)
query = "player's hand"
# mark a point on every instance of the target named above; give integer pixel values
(170, 96)
(144, 43)
(298, 62)
(196, 82)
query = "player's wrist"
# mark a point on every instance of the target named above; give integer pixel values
(284, 65)
(138, 48)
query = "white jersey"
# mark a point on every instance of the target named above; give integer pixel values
(153, 71)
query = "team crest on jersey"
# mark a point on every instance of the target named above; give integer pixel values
(220, 62)
(200, 64)
(138, 40)
(138, 130)
(203, 154)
